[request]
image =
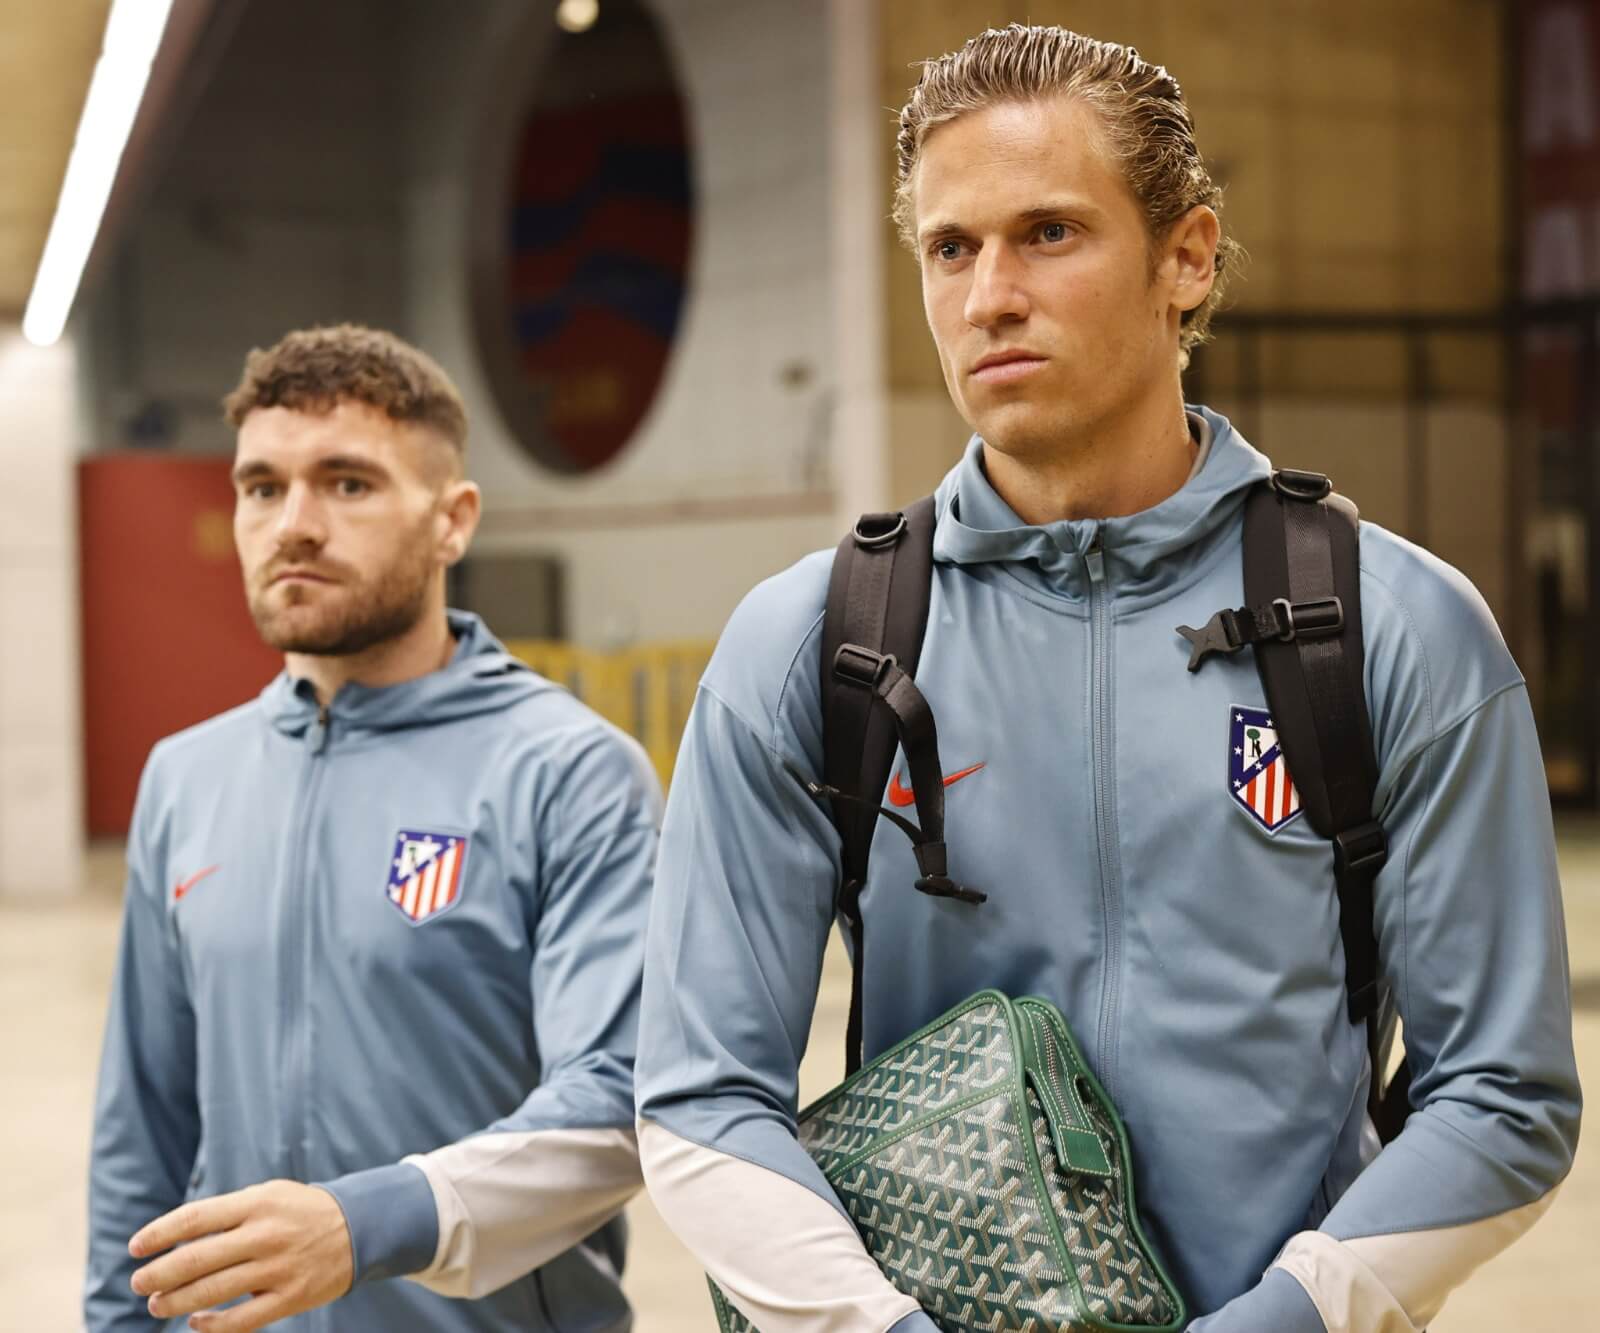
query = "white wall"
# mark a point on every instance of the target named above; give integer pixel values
(41, 778)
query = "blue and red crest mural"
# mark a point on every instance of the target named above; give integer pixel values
(600, 241)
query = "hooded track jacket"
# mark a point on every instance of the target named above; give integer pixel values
(1185, 925)
(351, 936)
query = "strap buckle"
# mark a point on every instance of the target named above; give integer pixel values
(1314, 619)
(1293, 484)
(1361, 850)
(856, 665)
(875, 530)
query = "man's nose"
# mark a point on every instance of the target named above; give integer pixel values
(997, 293)
(301, 520)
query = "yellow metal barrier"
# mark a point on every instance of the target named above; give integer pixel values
(646, 691)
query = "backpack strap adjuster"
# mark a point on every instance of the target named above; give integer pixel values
(856, 665)
(1308, 620)
(875, 530)
(1293, 484)
(1361, 850)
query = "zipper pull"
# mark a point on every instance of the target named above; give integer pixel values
(1095, 558)
(319, 730)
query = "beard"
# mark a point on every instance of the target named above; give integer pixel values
(348, 616)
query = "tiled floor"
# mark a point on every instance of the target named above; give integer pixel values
(55, 961)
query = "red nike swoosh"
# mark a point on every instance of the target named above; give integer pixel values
(899, 795)
(189, 883)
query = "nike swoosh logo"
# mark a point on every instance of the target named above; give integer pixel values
(900, 795)
(189, 883)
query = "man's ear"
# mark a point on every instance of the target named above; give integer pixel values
(1191, 256)
(460, 507)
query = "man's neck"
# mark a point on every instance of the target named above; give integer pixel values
(1123, 468)
(426, 647)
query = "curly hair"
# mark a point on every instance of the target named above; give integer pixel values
(1148, 128)
(314, 370)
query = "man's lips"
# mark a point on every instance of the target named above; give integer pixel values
(300, 576)
(1003, 367)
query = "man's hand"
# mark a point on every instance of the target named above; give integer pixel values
(285, 1244)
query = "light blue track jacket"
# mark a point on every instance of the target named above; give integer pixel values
(1194, 951)
(277, 1012)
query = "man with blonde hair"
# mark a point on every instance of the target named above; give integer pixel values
(395, 902)
(1071, 253)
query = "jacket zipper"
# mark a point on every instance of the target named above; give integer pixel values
(1105, 814)
(295, 1013)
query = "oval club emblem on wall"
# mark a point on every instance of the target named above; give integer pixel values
(579, 320)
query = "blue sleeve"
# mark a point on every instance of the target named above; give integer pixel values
(146, 1115)
(915, 1322)
(1277, 1304)
(743, 906)
(1473, 946)
(597, 835)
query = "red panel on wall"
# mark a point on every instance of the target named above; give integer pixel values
(167, 638)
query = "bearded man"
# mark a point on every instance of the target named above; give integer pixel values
(395, 902)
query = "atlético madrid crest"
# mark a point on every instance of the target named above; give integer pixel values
(425, 873)
(1258, 777)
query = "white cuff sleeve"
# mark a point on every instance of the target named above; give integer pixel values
(509, 1202)
(789, 1260)
(1397, 1283)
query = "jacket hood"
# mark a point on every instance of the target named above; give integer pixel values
(1148, 553)
(481, 677)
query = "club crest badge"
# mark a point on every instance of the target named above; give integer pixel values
(1258, 777)
(425, 873)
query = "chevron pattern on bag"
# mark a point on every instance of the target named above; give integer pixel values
(951, 1215)
(969, 1057)
(952, 1210)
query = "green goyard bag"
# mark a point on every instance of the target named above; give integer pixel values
(988, 1175)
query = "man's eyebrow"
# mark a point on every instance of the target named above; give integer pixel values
(938, 231)
(1069, 207)
(351, 463)
(251, 468)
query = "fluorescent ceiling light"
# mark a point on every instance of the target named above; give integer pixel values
(133, 36)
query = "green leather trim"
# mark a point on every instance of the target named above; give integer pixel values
(1052, 1016)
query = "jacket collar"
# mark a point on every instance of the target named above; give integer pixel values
(1147, 554)
(481, 676)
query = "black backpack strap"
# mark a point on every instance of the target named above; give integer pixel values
(1302, 584)
(1301, 546)
(872, 631)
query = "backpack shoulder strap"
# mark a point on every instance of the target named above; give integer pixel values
(872, 631)
(878, 601)
(1301, 554)
(1302, 543)
(1302, 583)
